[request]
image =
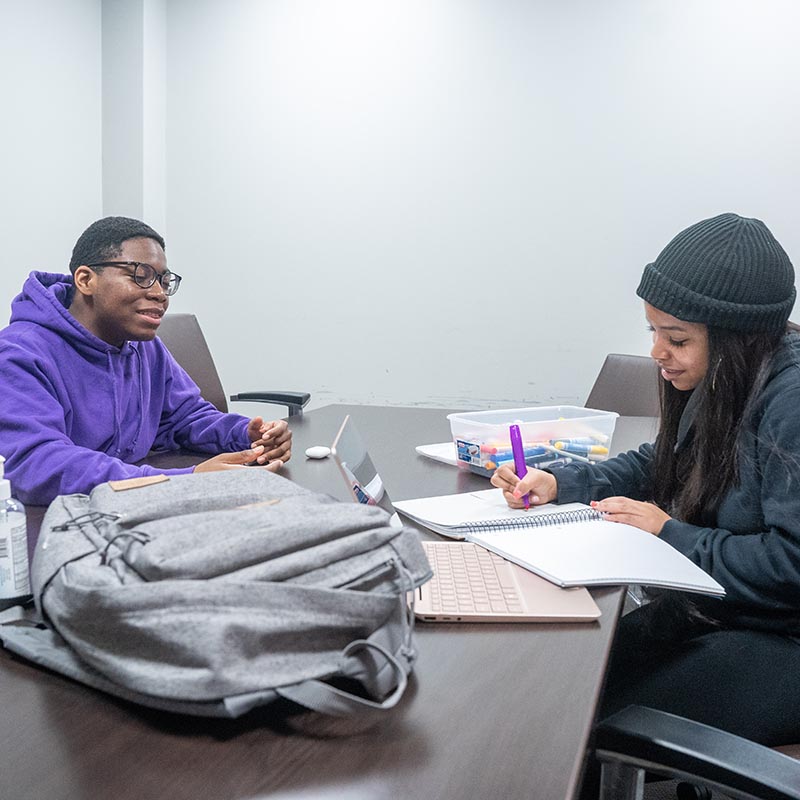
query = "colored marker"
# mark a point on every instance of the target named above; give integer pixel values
(530, 460)
(507, 452)
(567, 454)
(519, 458)
(584, 449)
(540, 463)
(596, 439)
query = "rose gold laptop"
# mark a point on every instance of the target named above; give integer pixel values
(470, 583)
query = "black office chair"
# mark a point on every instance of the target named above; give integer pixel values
(639, 739)
(182, 335)
(628, 385)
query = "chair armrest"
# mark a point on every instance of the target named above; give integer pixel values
(295, 401)
(647, 739)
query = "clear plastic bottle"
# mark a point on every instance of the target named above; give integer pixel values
(15, 586)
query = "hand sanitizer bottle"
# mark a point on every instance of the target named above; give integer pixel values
(15, 586)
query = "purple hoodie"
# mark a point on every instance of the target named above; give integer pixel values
(76, 411)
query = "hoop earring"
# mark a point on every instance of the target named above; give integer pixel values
(714, 374)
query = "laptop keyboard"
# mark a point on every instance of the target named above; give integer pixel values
(467, 578)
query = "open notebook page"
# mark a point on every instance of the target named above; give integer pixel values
(575, 553)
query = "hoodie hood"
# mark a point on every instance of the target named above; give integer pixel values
(44, 300)
(44, 303)
(787, 356)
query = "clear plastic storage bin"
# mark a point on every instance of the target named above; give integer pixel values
(551, 436)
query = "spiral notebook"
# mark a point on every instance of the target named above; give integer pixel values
(570, 544)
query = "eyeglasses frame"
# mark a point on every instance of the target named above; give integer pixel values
(160, 277)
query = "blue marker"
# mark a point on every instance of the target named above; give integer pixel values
(532, 461)
(566, 454)
(598, 439)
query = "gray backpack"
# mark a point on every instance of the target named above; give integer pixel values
(215, 593)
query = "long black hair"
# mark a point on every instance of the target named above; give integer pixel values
(689, 483)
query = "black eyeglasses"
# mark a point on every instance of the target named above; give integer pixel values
(145, 275)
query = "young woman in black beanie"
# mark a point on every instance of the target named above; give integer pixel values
(721, 484)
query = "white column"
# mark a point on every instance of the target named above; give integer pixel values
(134, 61)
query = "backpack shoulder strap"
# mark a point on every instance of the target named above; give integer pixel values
(326, 699)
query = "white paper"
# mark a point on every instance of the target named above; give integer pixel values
(444, 452)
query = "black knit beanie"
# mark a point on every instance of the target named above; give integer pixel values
(727, 271)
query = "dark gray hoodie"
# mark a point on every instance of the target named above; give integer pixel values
(754, 548)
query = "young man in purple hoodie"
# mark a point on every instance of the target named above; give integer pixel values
(87, 388)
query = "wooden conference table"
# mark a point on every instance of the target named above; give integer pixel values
(492, 711)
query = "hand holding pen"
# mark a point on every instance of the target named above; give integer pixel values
(537, 487)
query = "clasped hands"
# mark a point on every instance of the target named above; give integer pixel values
(271, 447)
(541, 487)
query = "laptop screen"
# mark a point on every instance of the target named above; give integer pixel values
(352, 458)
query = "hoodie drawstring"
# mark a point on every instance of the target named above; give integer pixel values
(117, 400)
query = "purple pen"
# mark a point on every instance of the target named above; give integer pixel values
(519, 457)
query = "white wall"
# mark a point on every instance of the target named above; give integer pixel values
(445, 203)
(50, 133)
(450, 203)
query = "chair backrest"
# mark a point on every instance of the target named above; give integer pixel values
(183, 337)
(628, 385)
